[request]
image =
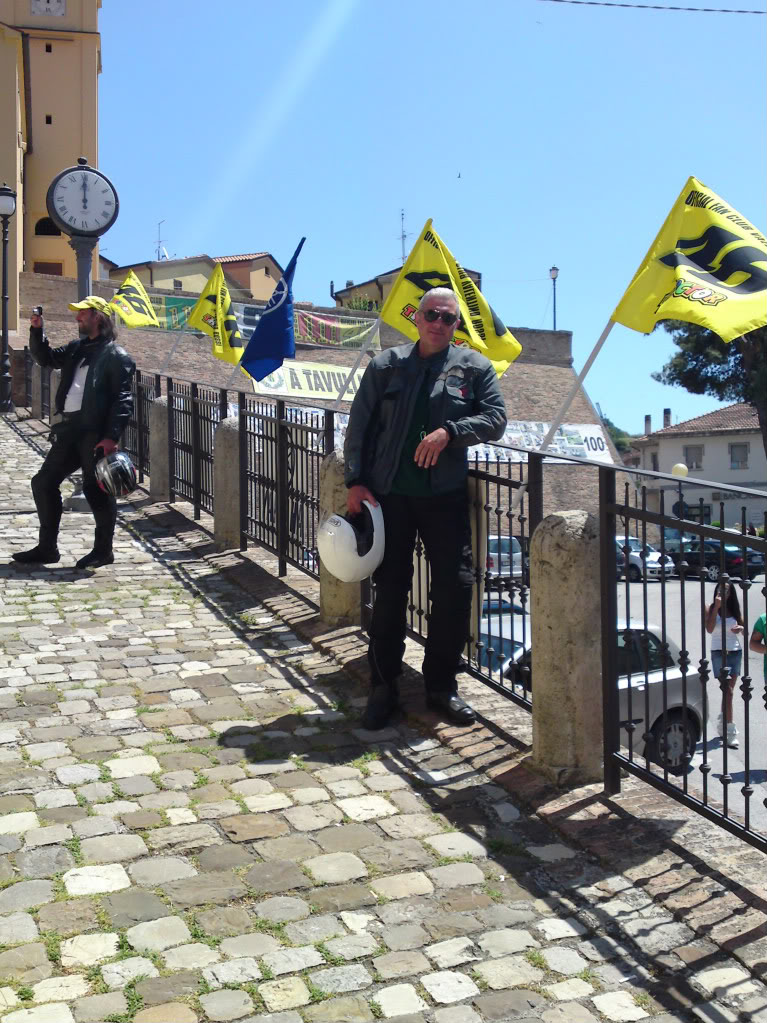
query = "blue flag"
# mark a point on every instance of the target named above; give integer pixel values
(273, 339)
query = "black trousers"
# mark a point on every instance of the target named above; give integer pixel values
(72, 449)
(445, 530)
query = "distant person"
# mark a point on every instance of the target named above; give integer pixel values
(751, 531)
(725, 608)
(758, 641)
(418, 408)
(95, 402)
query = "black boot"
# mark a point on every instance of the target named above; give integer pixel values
(38, 556)
(450, 706)
(383, 703)
(102, 553)
(45, 553)
(96, 559)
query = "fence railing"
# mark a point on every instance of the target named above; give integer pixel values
(45, 391)
(281, 450)
(29, 362)
(135, 440)
(193, 413)
(685, 685)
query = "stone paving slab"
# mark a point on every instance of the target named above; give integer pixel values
(193, 826)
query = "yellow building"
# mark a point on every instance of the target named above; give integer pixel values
(372, 294)
(50, 59)
(250, 275)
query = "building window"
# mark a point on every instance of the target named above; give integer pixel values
(56, 269)
(266, 272)
(738, 456)
(48, 119)
(46, 226)
(654, 461)
(48, 48)
(693, 456)
(178, 285)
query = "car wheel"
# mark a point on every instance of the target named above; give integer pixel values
(672, 743)
(712, 573)
(635, 575)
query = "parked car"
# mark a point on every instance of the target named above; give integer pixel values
(738, 562)
(642, 662)
(500, 603)
(643, 560)
(504, 558)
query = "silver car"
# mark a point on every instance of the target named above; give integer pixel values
(643, 559)
(669, 738)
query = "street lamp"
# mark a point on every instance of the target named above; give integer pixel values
(7, 209)
(553, 274)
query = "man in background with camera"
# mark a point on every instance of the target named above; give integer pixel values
(95, 402)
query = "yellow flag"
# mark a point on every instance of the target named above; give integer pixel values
(708, 265)
(132, 303)
(431, 265)
(213, 314)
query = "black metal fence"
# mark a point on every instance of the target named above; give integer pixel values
(146, 387)
(45, 392)
(505, 496)
(29, 362)
(281, 449)
(193, 413)
(684, 676)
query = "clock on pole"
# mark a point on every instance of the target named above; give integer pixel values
(83, 203)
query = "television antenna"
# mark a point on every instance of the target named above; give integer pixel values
(403, 234)
(162, 252)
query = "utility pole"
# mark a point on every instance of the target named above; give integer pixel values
(159, 241)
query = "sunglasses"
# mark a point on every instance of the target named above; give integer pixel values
(432, 315)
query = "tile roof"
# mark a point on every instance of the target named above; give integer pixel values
(739, 416)
(237, 259)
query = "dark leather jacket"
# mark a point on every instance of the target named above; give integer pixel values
(464, 397)
(107, 396)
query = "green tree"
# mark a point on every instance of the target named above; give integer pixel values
(620, 438)
(704, 364)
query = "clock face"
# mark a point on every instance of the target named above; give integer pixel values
(83, 201)
(49, 7)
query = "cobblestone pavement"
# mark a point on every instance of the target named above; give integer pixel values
(193, 827)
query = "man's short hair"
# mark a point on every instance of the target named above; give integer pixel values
(440, 293)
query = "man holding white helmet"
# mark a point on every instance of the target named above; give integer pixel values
(418, 408)
(95, 402)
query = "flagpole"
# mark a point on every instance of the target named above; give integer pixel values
(170, 354)
(366, 344)
(559, 418)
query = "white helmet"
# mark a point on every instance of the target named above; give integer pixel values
(352, 546)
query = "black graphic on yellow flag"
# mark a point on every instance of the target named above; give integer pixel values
(213, 314)
(132, 303)
(708, 265)
(432, 265)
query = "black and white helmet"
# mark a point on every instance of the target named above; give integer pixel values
(351, 547)
(115, 474)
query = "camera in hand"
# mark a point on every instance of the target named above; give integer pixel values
(38, 310)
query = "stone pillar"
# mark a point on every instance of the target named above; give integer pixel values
(340, 603)
(226, 484)
(36, 412)
(18, 382)
(159, 477)
(566, 657)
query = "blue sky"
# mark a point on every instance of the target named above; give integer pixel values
(244, 125)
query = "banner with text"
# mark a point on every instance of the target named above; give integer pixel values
(310, 328)
(310, 380)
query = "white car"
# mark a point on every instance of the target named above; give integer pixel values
(671, 737)
(504, 557)
(653, 564)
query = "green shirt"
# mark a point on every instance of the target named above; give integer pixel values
(760, 626)
(411, 480)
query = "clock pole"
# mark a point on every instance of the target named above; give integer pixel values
(83, 246)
